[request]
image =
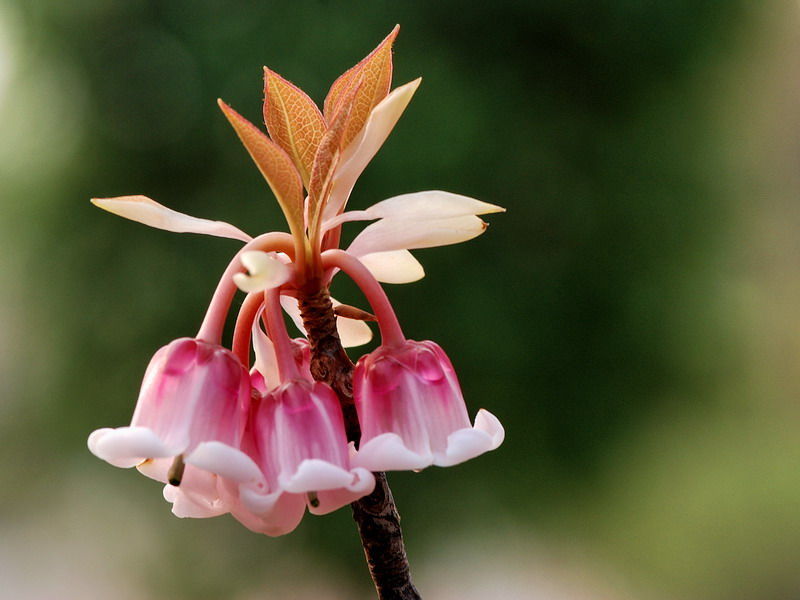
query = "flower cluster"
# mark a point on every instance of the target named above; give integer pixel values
(266, 442)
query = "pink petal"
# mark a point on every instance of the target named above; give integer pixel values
(149, 212)
(197, 497)
(291, 307)
(394, 266)
(399, 234)
(300, 430)
(257, 501)
(463, 445)
(185, 507)
(273, 515)
(366, 144)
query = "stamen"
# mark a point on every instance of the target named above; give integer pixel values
(175, 473)
(313, 499)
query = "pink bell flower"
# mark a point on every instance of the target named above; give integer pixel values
(299, 431)
(303, 441)
(412, 413)
(193, 393)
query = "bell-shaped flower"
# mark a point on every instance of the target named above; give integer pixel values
(301, 439)
(193, 393)
(294, 455)
(412, 413)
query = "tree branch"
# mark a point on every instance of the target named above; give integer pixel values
(376, 514)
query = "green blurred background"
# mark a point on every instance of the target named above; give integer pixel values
(632, 319)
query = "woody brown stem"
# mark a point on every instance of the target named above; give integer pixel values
(376, 514)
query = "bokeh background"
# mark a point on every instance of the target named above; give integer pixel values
(632, 319)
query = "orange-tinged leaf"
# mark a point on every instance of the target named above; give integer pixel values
(293, 120)
(375, 74)
(326, 161)
(275, 165)
(362, 149)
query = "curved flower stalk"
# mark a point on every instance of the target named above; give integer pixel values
(269, 441)
(409, 404)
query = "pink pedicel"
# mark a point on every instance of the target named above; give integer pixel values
(301, 350)
(412, 413)
(193, 393)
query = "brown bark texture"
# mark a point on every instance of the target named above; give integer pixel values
(376, 514)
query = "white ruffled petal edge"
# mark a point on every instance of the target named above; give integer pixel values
(225, 461)
(487, 434)
(128, 446)
(313, 475)
(388, 452)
